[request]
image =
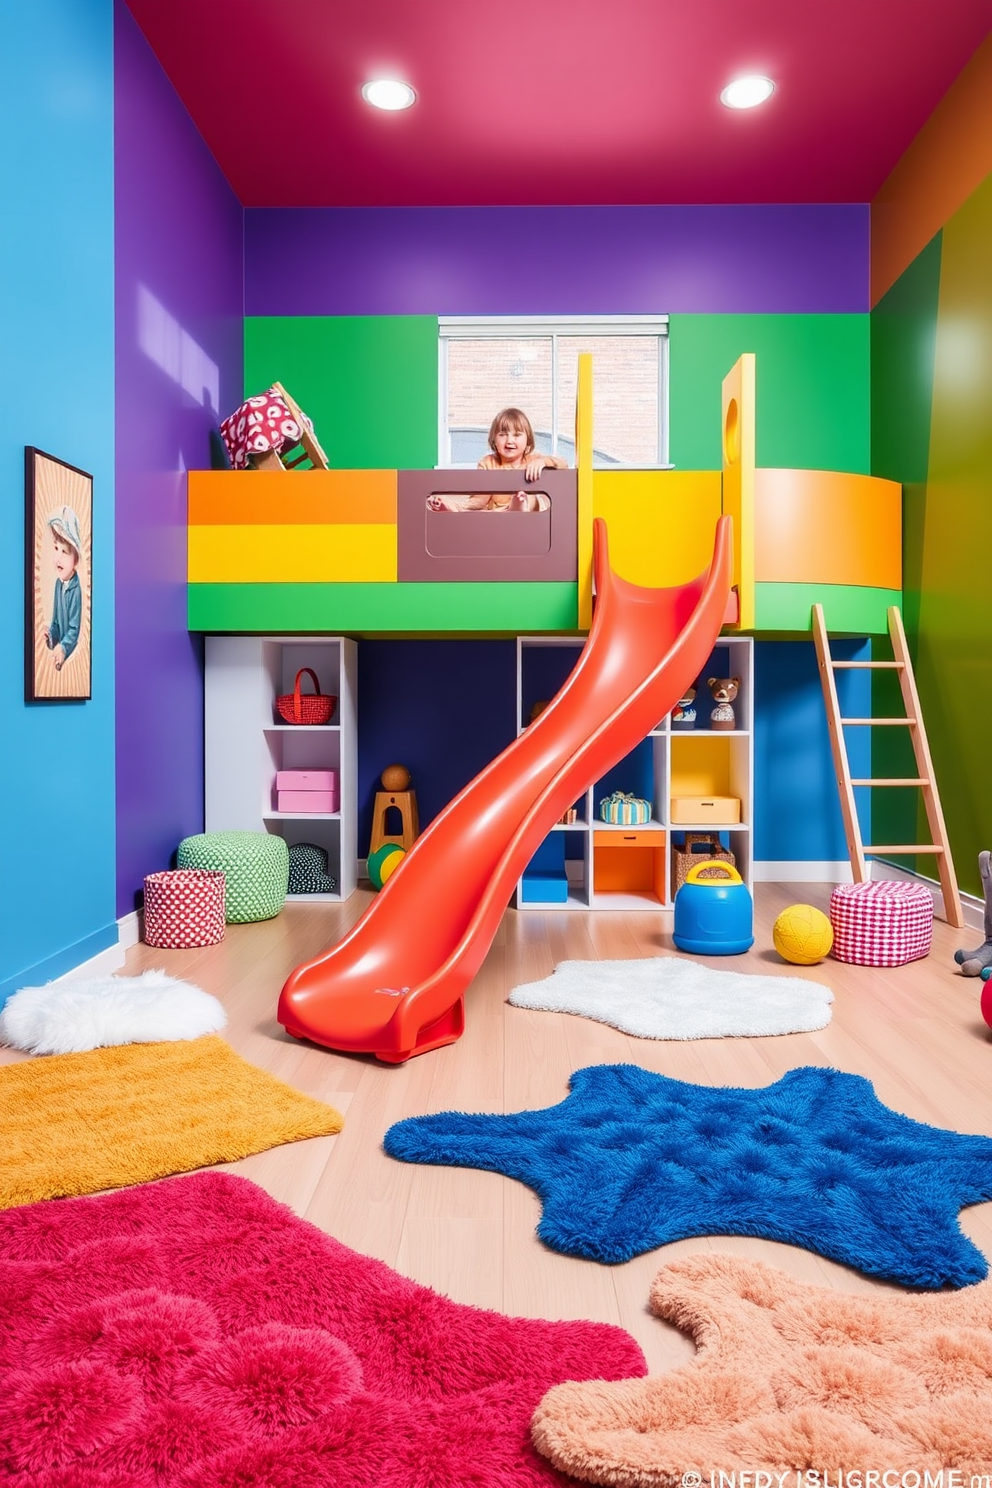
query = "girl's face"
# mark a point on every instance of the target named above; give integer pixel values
(511, 445)
(65, 559)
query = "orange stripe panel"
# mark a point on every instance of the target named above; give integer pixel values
(948, 159)
(825, 527)
(283, 498)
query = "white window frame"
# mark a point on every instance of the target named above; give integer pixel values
(500, 327)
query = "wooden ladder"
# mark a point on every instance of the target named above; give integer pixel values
(924, 779)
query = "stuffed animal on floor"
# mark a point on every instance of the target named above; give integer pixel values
(972, 963)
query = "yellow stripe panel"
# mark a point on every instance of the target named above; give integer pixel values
(340, 554)
(584, 484)
(661, 522)
(739, 443)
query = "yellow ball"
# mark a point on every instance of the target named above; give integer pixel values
(802, 935)
(391, 863)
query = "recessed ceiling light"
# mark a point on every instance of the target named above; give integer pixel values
(747, 92)
(388, 93)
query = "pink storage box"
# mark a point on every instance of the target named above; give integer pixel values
(307, 801)
(307, 780)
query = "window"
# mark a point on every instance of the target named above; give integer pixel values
(489, 363)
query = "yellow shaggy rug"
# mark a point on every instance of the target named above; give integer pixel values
(79, 1123)
(789, 1379)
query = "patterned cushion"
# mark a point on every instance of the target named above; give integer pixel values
(881, 924)
(255, 865)
(308, 870)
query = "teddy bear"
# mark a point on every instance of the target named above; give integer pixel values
(972, 963)
(724, 690)
(684, 714)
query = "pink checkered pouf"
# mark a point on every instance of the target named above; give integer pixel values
(881, 924)
(184, 907)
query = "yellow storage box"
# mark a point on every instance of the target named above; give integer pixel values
(697, 811)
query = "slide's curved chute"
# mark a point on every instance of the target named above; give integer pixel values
(394, 986)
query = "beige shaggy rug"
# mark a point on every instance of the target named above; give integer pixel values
(788, 1376)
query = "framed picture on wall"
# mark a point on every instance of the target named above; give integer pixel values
(58, 588)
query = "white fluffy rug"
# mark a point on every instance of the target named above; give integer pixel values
(673, 997)
(79, 1013)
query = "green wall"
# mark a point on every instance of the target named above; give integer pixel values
(812, 388)
(368, 383)
(903, 338)
(935, 327)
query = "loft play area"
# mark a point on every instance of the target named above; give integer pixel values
(356, 552)
(306, 554)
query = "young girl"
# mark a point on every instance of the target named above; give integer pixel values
(511, 440)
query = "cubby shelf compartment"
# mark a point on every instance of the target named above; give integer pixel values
(246, 743)
(701, 761)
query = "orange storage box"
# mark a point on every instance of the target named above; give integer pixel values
(697, 811)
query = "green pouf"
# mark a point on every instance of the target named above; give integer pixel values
(255, 866)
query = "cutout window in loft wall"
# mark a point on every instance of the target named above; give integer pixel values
(488, 363)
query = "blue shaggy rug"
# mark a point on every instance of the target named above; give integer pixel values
(631, 1160)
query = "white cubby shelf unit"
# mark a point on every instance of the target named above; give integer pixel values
(246, 743)
(630, 868)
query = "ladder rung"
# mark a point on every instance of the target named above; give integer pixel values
(906, 722)
(917, 847)
(891, 782)
(874, 666)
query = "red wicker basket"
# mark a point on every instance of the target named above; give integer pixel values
(306, 707)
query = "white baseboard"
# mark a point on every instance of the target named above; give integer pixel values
(972, 907)
(111, 959)
(102, 964)
(129, 929)
(771, 870)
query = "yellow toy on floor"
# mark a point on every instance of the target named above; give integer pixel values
(802, 935)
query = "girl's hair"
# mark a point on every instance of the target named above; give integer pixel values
(510, 418)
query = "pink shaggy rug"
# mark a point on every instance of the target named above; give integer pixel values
(195, 1333)
(788, 1376)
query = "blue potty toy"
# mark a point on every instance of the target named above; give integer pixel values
(714, 915)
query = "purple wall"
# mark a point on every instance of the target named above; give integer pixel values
(557, 260)
(179, 253)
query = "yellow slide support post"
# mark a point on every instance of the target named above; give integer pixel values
(739, 422)
(583, 466)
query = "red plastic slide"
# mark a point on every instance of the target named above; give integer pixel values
(394, 986)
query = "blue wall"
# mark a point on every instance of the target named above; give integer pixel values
(57, 359)
(797, 804)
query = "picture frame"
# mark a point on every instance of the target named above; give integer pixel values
(58, 588)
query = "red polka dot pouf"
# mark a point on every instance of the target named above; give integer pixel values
(184, 907)
(881, 924)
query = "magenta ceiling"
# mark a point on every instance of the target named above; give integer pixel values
(529, 102)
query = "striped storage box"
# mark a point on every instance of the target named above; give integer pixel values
(627, 811)
(881, 924)
(184, 907)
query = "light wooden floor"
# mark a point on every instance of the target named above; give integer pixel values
(915, 1031)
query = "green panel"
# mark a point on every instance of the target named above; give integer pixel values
(453, 609)
(849, 609)
(954, 658)
(812, 388)
(368, 382)
(903, 339)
